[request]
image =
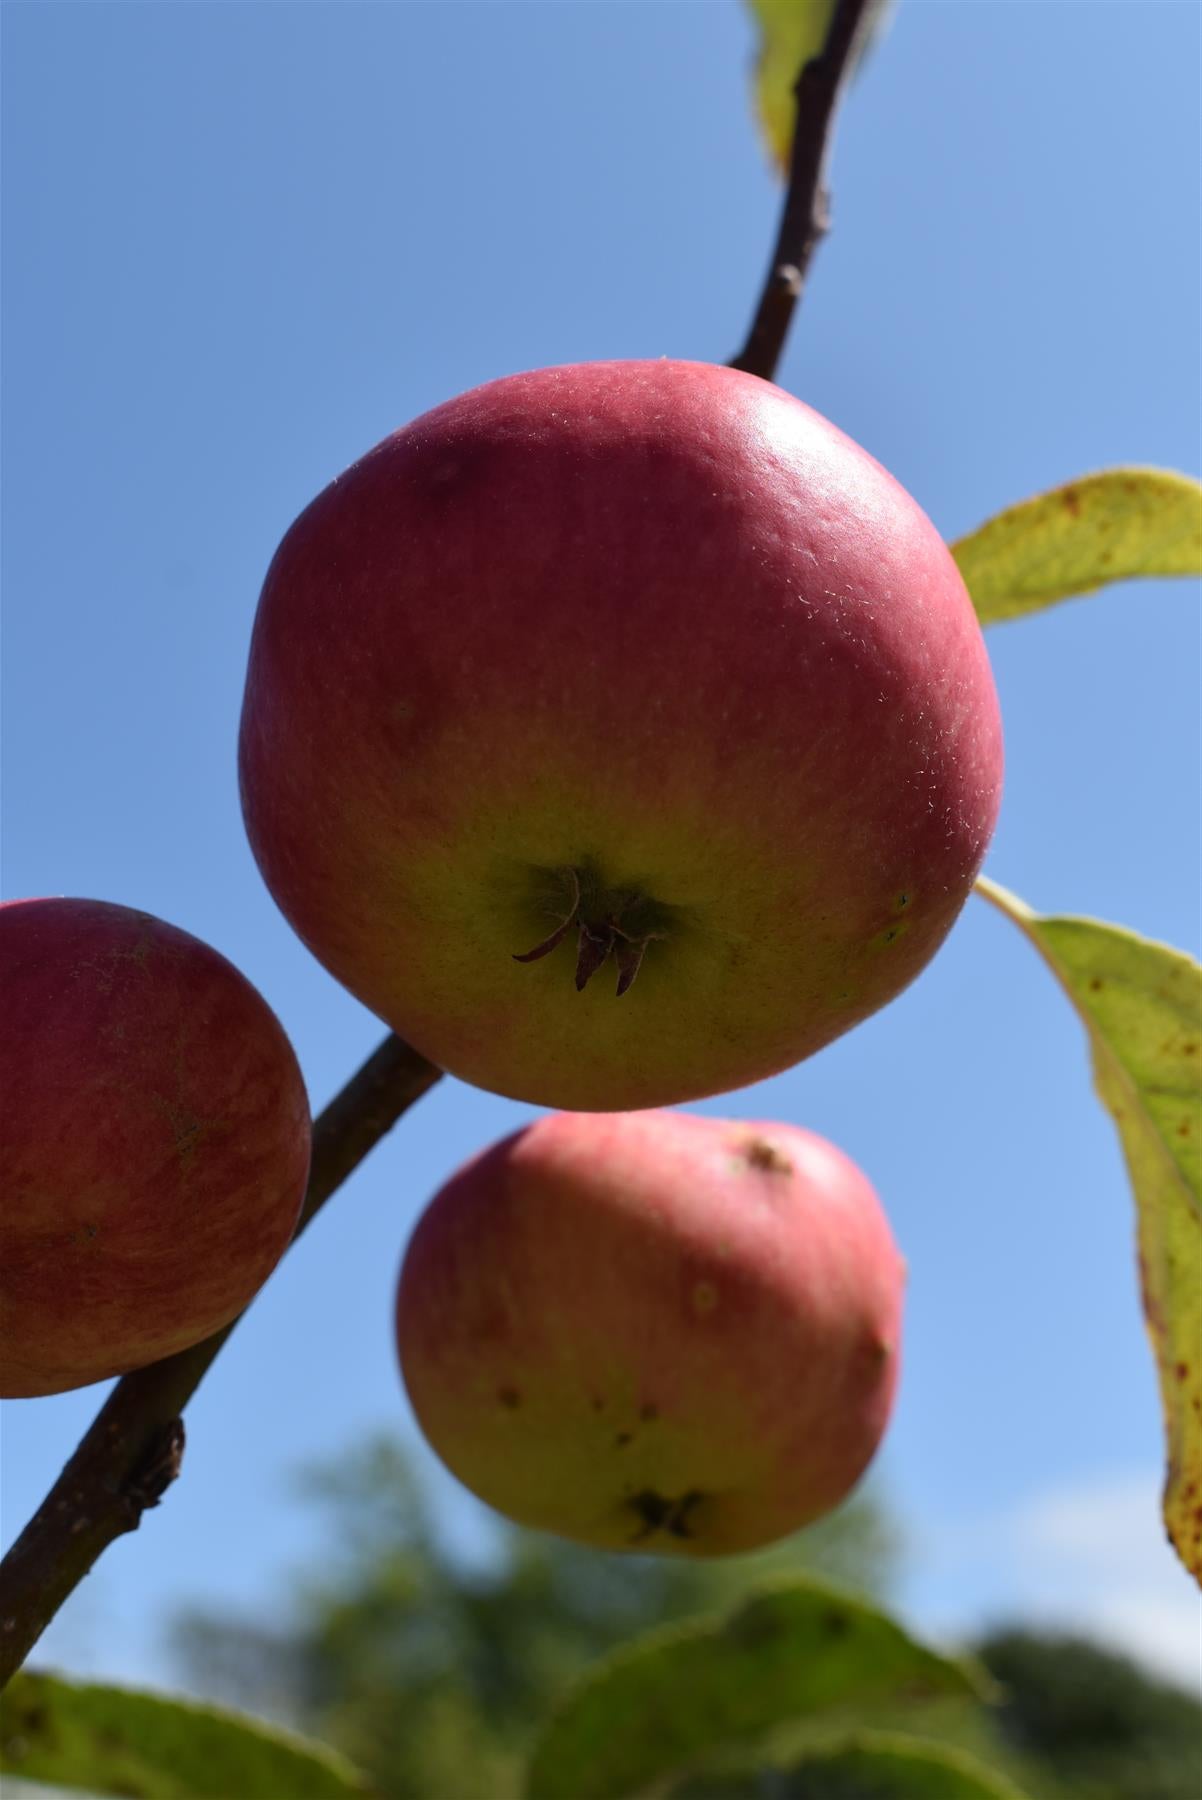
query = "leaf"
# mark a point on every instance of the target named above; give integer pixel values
(111, 1740)
(869, 1766)
(790, 1649)
(791, 32)
(1109, 527)
(1142, 1006)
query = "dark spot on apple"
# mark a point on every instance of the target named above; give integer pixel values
(648, 1411)
(835, 1624)
(1072, 501)
(890, 934)
(760, 1154)
(658, 1512)
(903, 900)
(623, 1438)
(1181, 1371)
(598, 1403)
(509, 1396)
(1096, 985)
(443, 481)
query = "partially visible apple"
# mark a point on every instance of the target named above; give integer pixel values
(155, 1145)
(622, 670)
(653, 1331)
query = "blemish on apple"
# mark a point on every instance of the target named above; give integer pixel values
(890, 935)
(760, 1154)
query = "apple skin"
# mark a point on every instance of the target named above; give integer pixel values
(654, 628)
(654, 1331)
(156, 1142)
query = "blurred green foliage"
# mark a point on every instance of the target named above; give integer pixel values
(794, 1651)
(111, 1740)
(435, 1676)
(1105, 1728)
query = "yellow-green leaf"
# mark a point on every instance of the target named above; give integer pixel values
(1114, 526)
(790, 1650)
(1142, 1007)
(868, 1765)
(109, 1740)
(791, 32)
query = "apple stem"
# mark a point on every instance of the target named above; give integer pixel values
(805, 219)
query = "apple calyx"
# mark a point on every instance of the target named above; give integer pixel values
(599, 934)
(660, 1514)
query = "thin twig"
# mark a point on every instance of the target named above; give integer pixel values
(805, 220)
(132, 1451)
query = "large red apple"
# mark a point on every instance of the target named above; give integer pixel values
(155, 1144)
(653, 1331)
(628, 669)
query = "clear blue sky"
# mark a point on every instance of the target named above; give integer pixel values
(244, 241)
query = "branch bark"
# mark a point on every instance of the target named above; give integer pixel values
(132, 1451)
(805, 219)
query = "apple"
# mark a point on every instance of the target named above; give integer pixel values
(654, 1331)
(155, 1147)
(620, 734)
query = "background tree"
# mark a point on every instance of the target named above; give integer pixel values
(433, 1675)
(1107, 1729)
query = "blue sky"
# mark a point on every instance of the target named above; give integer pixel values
(244, 241)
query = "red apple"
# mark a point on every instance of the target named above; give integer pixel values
(155, 1146)
(629, 669)
(652, 1331)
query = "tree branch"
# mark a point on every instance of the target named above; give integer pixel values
(805, 219)
(132, 1451)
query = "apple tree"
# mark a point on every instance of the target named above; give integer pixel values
(619, 734)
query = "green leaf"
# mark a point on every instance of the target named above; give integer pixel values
(791, 32)
(868, 1766)
(1114, 526)
(1141, 1004)
(791, 1649)
(113, 1741)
